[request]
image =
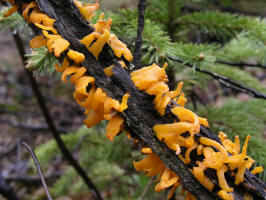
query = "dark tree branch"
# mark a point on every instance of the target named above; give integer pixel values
(66, 153)
(225, 81)
(39, 170)
(241, 64)
(140, 116)
(138, 43)
(146, 189)
(32, 179)
(33, 128)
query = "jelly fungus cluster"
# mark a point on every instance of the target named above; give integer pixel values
(98, 104)
(180, 136)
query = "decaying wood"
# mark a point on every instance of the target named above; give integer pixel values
(141, 115)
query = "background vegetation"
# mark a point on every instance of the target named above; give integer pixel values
(224, 37)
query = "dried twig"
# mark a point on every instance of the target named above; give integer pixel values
(32, 179)
(225, 81)
(66, 153)
(138, 43)
(33, 128)
(147, 187)
(39, 170)
(241, 64)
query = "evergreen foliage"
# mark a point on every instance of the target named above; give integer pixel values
(157, 45)
(108, 163)
(41, 61)
(223, 25)
(243, 48)
(14, 21)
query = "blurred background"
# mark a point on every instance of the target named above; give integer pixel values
(225, 37)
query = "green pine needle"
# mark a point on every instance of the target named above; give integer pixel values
(41, 61)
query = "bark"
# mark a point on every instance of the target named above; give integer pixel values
(141, 116)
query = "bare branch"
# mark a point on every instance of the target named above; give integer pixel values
(138, 43)
(241, 64)
(147, 187)
(32, 179)
(225, 81)
(39, 170)
(33, 128)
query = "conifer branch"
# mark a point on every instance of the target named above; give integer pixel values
(138, 43)
(48, 118)
(227, 82)
(223, 25)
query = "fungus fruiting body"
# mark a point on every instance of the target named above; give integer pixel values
(182, 136)
(103, 107)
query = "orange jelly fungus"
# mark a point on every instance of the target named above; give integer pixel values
(152, 79)
(38, 41)
(120, 49)
(87, 9)
(152, 166)
(114, 127)
(257, 170)
(102, 36)
(225, 195)
(76, 56)
(13, 9)
(98, 104)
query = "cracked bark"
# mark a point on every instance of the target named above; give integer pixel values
(141, 115)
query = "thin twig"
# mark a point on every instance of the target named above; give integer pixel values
(138, 43)
(18, 160)
(241, 64)
(225, 81)
(78, 145)
(46, 114)
(33, 128)
(32, 179)
(146, 189)
(35, 159)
